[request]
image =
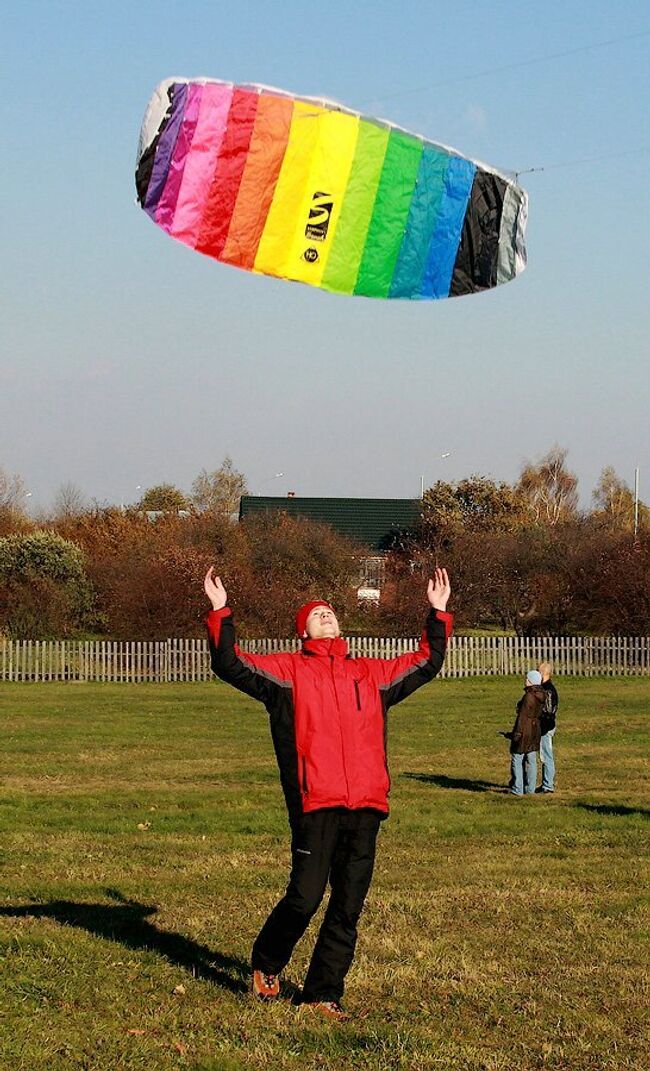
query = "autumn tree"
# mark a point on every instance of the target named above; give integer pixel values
(496, 580)
(520, 581)
(162, 498)
(290, 561)
(614, 502)
(610, 581)
(219, 491)
(149, 577)
(475, 504)
(549, 488)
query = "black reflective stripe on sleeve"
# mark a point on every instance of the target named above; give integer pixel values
(478, 252)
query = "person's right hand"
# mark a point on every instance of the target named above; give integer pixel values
(439, 590)
(215, 590)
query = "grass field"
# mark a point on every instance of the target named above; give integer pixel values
(143, 840)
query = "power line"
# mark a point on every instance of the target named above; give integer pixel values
(510, 66)
(583, 160)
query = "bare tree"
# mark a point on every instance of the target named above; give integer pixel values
(12, 491)
(13, 495)
(69, 502)
(550, 489)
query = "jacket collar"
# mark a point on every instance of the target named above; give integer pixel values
(334, 648)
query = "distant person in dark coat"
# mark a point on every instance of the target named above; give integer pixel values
(525, 736)
(547, 724)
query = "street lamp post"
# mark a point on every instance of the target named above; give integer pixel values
(636, 501)
(276, 476)
(122, 507)
(441, 457)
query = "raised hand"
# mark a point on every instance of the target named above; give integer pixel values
(215, 590)
(439, 590)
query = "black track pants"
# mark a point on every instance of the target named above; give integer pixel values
(340, 845)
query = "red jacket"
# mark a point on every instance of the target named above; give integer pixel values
(328, 710)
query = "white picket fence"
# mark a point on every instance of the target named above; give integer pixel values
(177, 660)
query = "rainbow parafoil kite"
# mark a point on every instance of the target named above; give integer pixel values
(308, 190)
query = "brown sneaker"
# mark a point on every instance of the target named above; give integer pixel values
(265, 986)
(329, 1009)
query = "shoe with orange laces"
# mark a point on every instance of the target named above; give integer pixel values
(329, 1009)
(265, 986)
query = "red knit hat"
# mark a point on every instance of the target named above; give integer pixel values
(304, 612)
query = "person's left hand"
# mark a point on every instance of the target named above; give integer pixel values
(439, 590)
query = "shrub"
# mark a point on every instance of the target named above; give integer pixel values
(44, 590)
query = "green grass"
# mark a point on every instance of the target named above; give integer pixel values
(143, 840)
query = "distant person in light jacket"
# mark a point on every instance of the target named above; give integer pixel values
(547, 725)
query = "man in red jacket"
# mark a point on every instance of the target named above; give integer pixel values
(328, 724)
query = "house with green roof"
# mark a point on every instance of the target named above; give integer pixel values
(374, 523)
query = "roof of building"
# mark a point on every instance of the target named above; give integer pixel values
(373, 522)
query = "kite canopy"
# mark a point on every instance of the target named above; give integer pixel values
(305, 189)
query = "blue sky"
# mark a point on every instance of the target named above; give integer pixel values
(128, 360)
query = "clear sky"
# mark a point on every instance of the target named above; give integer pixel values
(128, 359)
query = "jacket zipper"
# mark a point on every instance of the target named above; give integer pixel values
(338, 707)
(305, 787)
(358, 694)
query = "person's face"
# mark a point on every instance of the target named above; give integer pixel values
(322, 624)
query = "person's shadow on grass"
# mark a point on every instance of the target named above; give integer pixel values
(613, 809)
(127, 921)
(442, 781)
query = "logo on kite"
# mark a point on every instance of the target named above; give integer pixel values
(319, 217)
(250, 175)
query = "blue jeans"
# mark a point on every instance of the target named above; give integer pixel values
(523, 773)
(547, 760)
